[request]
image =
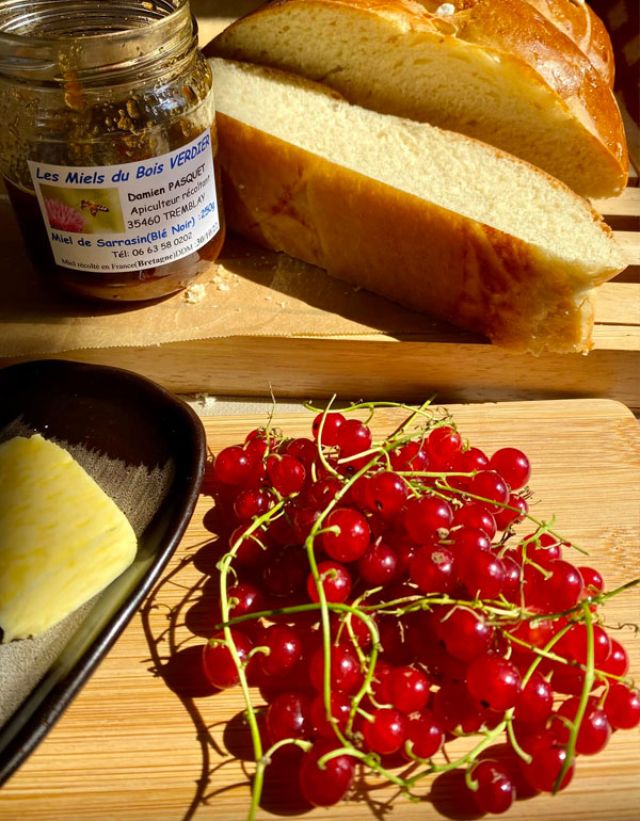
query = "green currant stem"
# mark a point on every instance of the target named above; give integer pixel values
(469, 780)
(489, 738)
(285, 742)
(372, 406)
(603, 597)
(541, 652)
(252, 721)
(589, 678)
(514, 741)
(366, 758)
(542, 527)
(324, 608)
(420, 411)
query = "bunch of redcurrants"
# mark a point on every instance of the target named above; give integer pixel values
(379, 596)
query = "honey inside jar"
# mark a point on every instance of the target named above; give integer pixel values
(109, 153)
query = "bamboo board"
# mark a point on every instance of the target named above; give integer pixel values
(130, 748)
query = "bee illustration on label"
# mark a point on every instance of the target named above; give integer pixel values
(94, 207)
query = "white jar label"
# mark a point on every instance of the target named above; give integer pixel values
(136, 215)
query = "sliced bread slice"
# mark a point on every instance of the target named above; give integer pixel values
(431, 219)
(497, 70)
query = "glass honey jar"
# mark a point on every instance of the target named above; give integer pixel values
(108, 144)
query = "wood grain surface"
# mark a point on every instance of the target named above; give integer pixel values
(392, 362)
(145, 741)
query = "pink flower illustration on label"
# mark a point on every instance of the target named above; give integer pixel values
(64, 217)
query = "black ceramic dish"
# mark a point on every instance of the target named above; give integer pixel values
(124, 417)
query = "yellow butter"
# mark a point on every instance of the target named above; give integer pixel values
(62, 539)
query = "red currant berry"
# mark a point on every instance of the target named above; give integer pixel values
(286, 473)
(286, 571)
(380, 680)
(617, 664)
(534, 588)
(622, 706)
(258, 444)
(323, 491)
(234, 466)
(444, 444)
(349, 629)
(483, 574)
(252, 502)
(219, 666)
(393, 639)
(535, 702)
(453, 708)
(304, 450)
(506, 517)
(494, 683)
(325, 786)
(325, 428)
(244, 598)
(335, 580)
(353, 437)
(351, 538)
(408, 689)
(466, 461)
(476, 516)
(573, 645)
(534, 632)
(546, 765)
(346, 676)
(281, 530)
(386, 493)
(593, 581)
(249, 550)
(465, 634)
(511, 585)
(433, 569)
(379, 565)
(303, 520)
(387, 732)
(513, 465)
(594, 731)
(564, 586)
(496, 791)
(411, 456)
(285, 649)
(467, 541)
(426, 516)
(567, 680)
(288, 716)
(425, 735)
(470, 460)
(405, 551)
(340, 710)
(542, 549)
(491, 488)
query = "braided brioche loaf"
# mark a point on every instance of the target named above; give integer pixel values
(531, 77)
(432, 219)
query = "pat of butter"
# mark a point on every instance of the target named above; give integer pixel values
(62, 539)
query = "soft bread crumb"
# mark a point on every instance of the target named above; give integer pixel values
(195, 293)
(448, 169)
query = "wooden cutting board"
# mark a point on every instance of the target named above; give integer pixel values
(142, 743)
